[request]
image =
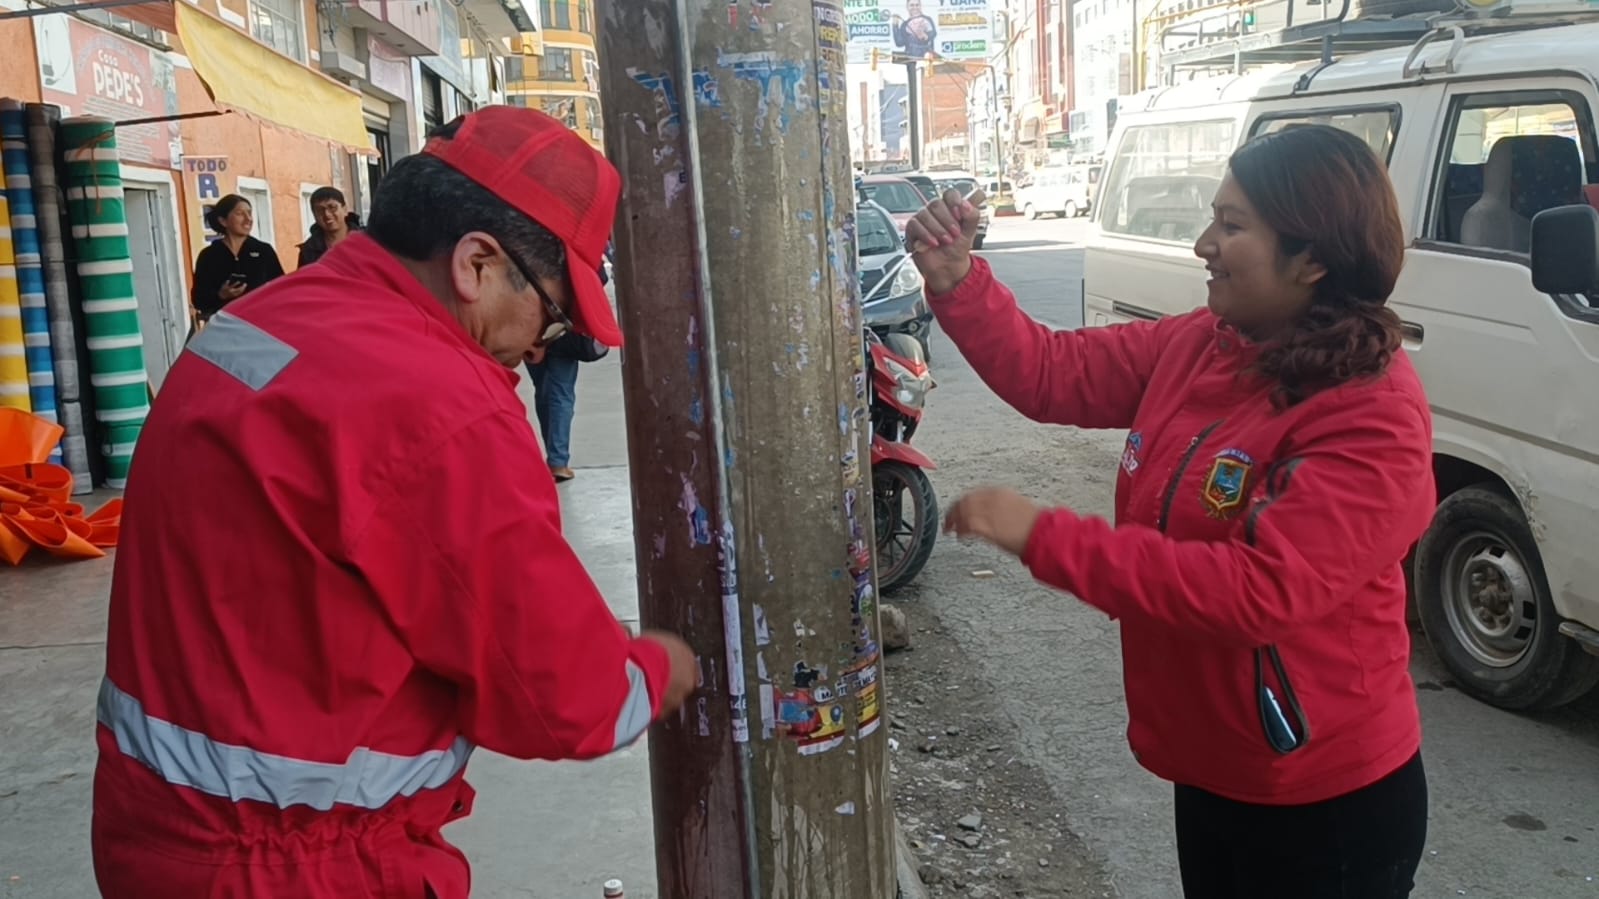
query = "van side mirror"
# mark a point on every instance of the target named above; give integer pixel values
(1565, 250)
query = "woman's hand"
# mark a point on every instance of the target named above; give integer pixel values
(940, 240)
(232, 290)
(998, 515)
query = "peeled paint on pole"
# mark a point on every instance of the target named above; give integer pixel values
(748, 437)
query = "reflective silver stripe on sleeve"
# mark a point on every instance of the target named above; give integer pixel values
(635, 716)
(367, 779)
(242, 350)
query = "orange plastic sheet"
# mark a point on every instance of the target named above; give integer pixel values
(36, 508)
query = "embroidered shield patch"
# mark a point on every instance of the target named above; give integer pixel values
(1225, 484)
(1135, 444)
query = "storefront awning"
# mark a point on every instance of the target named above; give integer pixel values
(253, 80)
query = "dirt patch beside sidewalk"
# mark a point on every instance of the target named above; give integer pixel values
(981, 822)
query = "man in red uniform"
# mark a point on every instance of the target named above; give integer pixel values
(342, 565)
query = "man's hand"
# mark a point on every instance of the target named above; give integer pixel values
(685, 676)
(232, 290)
(999, 515)
(940, 238)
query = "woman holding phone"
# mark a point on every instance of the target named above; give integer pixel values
(234, 264)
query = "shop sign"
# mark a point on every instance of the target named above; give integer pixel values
(87, 70)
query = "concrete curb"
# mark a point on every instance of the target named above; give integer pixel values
(905, 867)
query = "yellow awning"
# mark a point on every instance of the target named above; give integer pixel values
(253, 80)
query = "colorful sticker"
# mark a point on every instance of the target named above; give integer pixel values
(1135, 446)
(1224, 485)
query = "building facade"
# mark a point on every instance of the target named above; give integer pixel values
(1105, 61)
(354, 85)
(557, 70)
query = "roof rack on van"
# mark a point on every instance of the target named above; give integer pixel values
(1236, 35)
(1476, 17)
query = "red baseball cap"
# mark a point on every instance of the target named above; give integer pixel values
(548, 173)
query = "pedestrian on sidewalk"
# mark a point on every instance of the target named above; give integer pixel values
(1277, 470)
(333, 223)
(371, 579)
(235, 263)
(555, 394)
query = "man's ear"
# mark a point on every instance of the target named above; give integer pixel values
(473, 255)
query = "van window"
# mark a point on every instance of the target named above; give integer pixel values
(1511, 156)
(1377, 127)
(1164, 177)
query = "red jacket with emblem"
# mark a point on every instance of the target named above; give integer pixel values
(1255, 561)
(342, 568)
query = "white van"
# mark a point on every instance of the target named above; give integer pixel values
(1055, 190)
(1481, 134)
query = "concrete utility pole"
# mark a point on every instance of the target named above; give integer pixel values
(913, 111)
(747, 435)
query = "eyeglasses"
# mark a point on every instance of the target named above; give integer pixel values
(560, 324)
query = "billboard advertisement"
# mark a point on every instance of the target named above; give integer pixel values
(919, 29)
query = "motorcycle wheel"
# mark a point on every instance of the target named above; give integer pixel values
(906, 512)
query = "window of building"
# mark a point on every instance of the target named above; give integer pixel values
(557, 14)
(556, 65)
(280, 25)
(1512, 156)
(515, 69)
(1377, 127)
(585, 16)
(127, 26)
(1164, 178)
(432, 102)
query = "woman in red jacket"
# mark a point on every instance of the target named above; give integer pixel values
(1276, 472)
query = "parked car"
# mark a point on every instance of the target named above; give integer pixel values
(1055, 190)
(894, 193)
(964, 185)
(924, 183)
(892, 301)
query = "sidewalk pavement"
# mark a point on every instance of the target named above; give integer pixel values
(540, 830)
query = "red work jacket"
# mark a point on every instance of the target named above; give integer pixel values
(1255, 561)
(341, 569)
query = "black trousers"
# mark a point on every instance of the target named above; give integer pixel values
(1362, 845)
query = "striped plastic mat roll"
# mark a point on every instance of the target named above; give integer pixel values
(25, 229)
(93, 181)
(41, 123)
(13, 352)
(35, 324)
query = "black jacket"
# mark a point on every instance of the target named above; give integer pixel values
(256, 264)
(317, 244)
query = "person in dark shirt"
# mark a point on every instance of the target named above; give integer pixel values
(334, 222)
(234, 264)
(916, 34)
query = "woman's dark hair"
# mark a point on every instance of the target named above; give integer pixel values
(323, 194)
(223, 208)
(423, 207)
(1323, 190)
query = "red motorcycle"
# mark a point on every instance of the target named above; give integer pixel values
(904, 506)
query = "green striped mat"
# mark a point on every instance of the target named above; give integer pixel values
(93, 182)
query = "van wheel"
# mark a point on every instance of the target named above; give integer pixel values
(1030, 212)
(1485, 605)
(1070, 211)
